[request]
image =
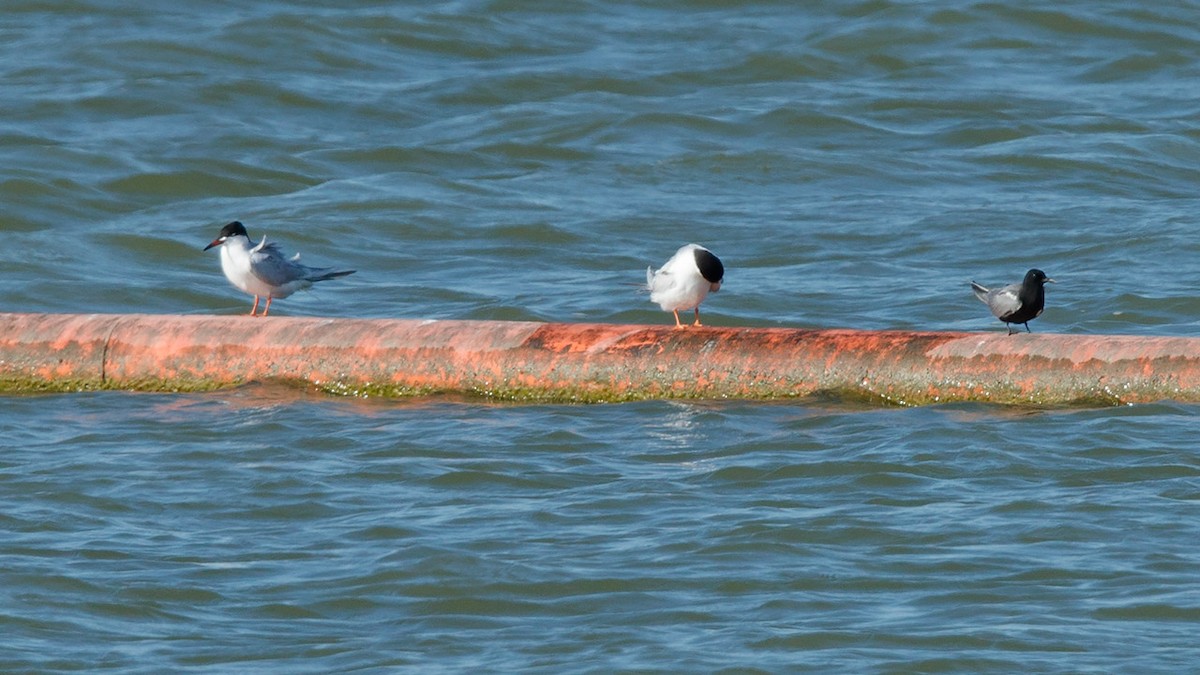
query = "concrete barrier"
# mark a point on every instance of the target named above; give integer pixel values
(588, 362)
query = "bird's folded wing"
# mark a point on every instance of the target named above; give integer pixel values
(1005, 301)
(268, 264)
(659, 280)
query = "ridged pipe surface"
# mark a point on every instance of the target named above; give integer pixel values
(588, 362)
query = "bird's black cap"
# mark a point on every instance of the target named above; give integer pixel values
(231, 230)
(709, 265)
(234, 229)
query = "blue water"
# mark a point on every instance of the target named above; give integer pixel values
(853, 164)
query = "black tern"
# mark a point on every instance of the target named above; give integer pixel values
(1016, 303)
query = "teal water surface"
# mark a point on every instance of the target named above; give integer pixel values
(854, 164)
(260, 532)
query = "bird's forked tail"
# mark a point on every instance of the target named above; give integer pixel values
(980, 292)
(322, 275)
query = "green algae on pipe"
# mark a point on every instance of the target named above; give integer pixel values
(588, 362)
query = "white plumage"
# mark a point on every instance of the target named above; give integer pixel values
(263, 269)
(684, 281)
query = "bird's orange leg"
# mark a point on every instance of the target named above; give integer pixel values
(268, 307)
(697, 317)
(677, 323)
(254, 309)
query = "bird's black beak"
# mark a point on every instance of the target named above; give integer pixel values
(215, 242)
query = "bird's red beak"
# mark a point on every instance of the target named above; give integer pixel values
(215, 242)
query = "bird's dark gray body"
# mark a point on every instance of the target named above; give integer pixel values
(1016, 303)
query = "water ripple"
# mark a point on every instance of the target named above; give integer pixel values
(854, 164)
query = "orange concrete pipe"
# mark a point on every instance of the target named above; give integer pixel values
(588, 362)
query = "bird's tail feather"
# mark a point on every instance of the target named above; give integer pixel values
(980, 292)
(323, 275)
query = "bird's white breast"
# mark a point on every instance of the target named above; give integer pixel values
(235, 263)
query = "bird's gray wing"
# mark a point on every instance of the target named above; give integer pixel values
(1004, 301)
(268, 263)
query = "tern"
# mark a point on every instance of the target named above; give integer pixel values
(261, 269)
(1016, 303)
(684, 281)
